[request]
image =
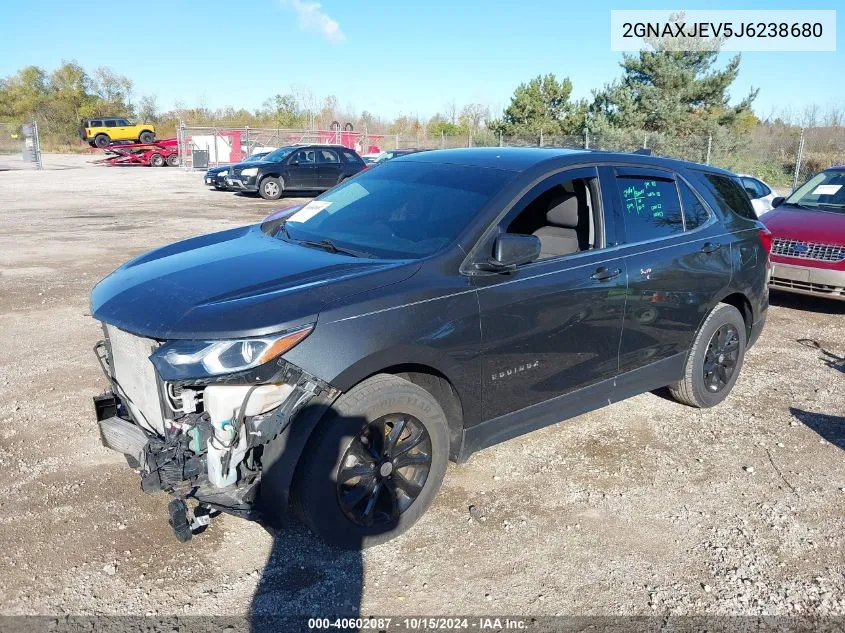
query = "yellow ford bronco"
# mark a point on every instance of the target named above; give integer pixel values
(103, 131)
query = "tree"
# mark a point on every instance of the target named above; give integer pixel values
(440, 125)
(539, 107)
(148, 109)
(474, 116)
(668, 90)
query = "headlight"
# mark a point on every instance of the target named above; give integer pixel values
(249, 171)
(223, 173)
(195, 359)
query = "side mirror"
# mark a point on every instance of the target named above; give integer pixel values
(776, 202)
(294, 162)
(511, 251)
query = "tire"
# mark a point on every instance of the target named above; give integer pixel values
(271, 188)
(373, 409)
(102, 140)
(173, 160)
(157, 160)
(708, 379)
(146, 137)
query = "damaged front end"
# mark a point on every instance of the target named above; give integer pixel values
(202, 438)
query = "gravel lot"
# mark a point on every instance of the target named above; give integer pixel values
(644, 507)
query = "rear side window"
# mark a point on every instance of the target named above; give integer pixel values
(651, 208)
(95, 123)
(695, 213)
(731, 196)
(349, 157)
(327, 156)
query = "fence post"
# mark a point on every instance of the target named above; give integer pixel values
(248, 151)
(541, 137)
(709, 147)
(215, 145)
(397, 142)
(500, 138)
(586, 138)
(798, 160)
(442, 140)
(645, 140)
(469, 139)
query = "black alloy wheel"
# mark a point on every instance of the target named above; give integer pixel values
(720, 360)
(384, 470)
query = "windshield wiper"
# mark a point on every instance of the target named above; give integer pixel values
(332, 247)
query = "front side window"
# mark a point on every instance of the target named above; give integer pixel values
(650, 206)
(823, 192)
(304, 156)
(562, 214)
(398, 211)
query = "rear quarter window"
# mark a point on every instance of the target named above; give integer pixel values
(730, 195)
(350, 157)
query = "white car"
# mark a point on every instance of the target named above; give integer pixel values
(760, 193)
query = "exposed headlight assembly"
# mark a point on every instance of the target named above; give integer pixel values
(249, 171)
(179, 360)
(225, 172)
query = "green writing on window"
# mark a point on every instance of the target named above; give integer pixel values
(645, 199)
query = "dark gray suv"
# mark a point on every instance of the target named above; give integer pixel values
(332, 359)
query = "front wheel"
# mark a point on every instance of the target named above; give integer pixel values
(271, 188)
(715, 360)
(375, 465)
(146, 137)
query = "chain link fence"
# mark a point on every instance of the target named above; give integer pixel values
(781, 155)
(205, 146)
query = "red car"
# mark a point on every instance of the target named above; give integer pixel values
(808, 231)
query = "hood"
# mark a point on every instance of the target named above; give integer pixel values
(806, 226)
(235, 283)
(249, 163)
(217, 170)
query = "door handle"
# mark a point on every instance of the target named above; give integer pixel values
(603, 274)
(710, 247)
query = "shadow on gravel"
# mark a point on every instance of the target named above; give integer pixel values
(828, 358)
(806, 302)
(303, 575)
(830, 427)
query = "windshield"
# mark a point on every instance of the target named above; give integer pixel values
(398, 211)
(824, 191)
(279, 154)
(258, 156)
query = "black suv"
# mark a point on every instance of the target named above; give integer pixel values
(295, 168)
(333, 358)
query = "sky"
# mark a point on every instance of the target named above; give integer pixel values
(388, 57)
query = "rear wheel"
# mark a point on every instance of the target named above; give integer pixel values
(102, 140)
(173, 160)
(374, 467)
(146, 137)
(157, 160)
(715, 360)
(271, 188)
